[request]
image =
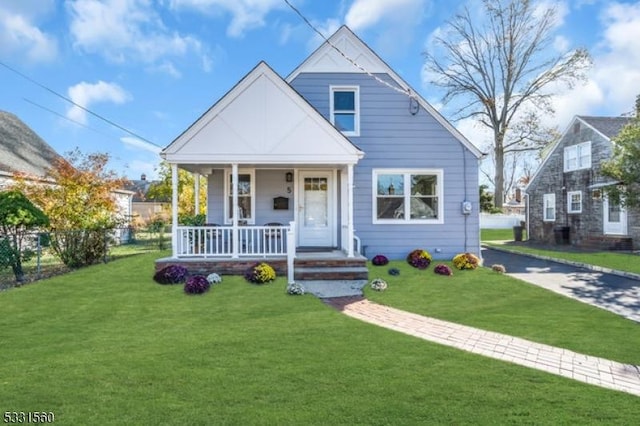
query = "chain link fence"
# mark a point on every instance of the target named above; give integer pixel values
(44, 262)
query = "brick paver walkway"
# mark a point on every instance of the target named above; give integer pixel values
(562, 362)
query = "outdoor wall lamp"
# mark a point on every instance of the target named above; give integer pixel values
(288, 177)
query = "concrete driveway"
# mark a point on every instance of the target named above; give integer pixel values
(620, 295)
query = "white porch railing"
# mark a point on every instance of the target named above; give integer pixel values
(212, 241)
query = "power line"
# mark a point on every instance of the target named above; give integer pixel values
(26, 77)
(345, 56)
(66, 118)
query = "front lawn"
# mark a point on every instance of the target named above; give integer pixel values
(486, 299)
(106, 345)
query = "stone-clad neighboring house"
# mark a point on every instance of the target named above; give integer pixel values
(23, 151)
(566, 202)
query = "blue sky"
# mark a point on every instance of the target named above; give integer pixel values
(154, 67)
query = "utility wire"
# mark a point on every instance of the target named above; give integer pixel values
(26, 77)
(345, 56)
(66, 118)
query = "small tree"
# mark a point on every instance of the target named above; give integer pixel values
(162, 190)
(18, 217)
(624, 165)
(486, 199)
(80, 204)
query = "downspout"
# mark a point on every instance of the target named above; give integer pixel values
(526, 214)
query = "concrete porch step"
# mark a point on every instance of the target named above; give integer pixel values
(608, 242)
(334, 288)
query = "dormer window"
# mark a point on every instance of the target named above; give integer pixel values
(345, 109)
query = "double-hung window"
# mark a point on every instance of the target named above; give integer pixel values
(246, 196)
(407, 196)
(549, 207)
(574, 202)
(577, 157)
(345, 109)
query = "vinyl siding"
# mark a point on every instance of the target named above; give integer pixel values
(393, 138)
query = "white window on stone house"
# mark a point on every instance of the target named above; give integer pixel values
(549, 207)
(574, 202)
(577, 157)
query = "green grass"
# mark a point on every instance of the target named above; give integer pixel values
(607, 259)
(499, 234)
(486, 299)
(106, 345)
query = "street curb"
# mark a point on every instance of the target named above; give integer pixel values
(594, 268)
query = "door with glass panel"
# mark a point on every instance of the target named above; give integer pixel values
(615, 218)
(316, 217)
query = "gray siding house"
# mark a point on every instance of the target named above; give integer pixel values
(566, 204)
(343, 159)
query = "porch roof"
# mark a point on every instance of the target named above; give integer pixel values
(261, 121)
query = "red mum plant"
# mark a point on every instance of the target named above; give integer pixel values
(379, 260)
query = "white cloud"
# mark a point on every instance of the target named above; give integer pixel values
(128, 30)
(614, 80)
(137, 168)
(395, 21)
(20, 35)
(140, 144)
(245, 14)
(86, 94)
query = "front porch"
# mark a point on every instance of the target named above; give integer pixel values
(325, 265)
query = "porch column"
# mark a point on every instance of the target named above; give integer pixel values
(350, 208)
(174, 209)
(234, 210)
(196, 188)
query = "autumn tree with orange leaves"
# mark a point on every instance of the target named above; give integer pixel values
(78, 198)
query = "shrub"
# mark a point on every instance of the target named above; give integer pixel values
(214, 278)
(378, 284)
(172, 274)
(442, 269)
(295, 289)
(260, 273)
(196, 284)
(394, 271)
(499, 268)
(466, 261)
(379, 260)
(419, 258)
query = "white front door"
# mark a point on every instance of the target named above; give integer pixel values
(315, 209)
(614, 219)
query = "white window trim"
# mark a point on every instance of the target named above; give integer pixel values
(577, 152)
(356, 118)
(228, 194)
(569, 195)
(407, 220)
(548, 200)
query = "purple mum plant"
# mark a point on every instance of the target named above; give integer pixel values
(379, 260)
(442, 269)
(196, 284)
(172, 274)
(419, 258)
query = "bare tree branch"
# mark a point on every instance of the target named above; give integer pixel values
(500, 65)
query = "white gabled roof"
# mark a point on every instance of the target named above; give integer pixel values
(326, 59)
(262, 120)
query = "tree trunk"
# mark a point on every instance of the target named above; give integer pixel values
(498, 180)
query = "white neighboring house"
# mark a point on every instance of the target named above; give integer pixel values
(23, 151)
